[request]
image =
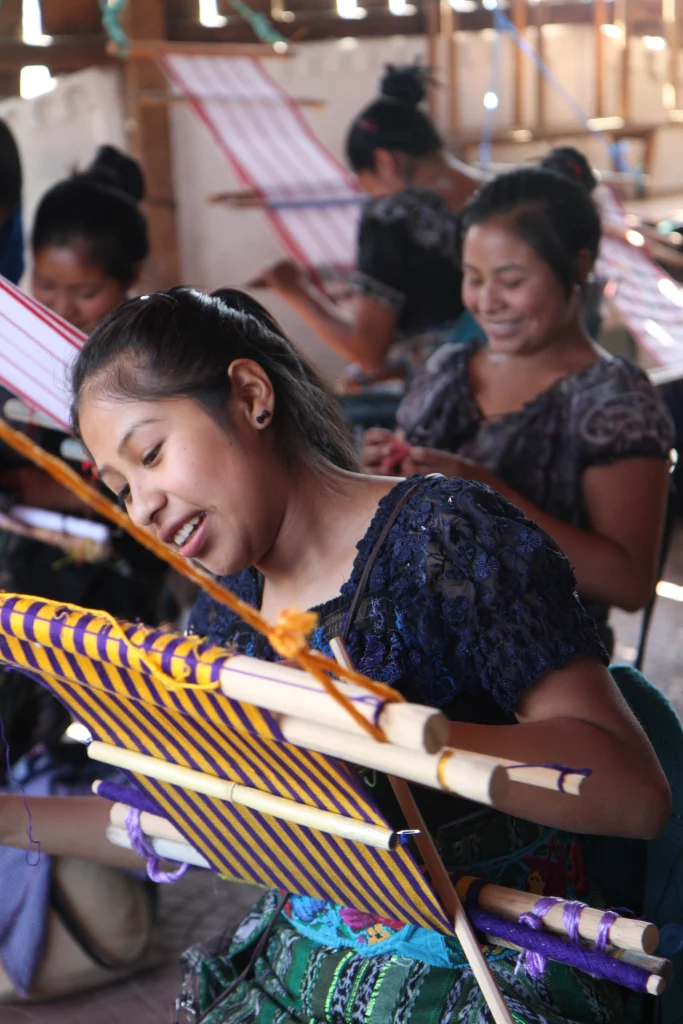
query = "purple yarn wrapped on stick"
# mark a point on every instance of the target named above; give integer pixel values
(547, 946)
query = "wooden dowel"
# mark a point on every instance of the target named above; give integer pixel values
(241, 199)
(443, 885)
(255, 799)
(543, 778)
(480, 779)
(626, 933)
(289, 691)
(141, 49)
(177, 853)
(656, 983)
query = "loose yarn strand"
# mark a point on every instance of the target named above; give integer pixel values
(288, 636)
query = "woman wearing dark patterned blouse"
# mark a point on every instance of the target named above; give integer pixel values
(218, 438)
(407, 279)
(578, 439)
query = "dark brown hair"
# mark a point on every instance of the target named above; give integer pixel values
(180, 344)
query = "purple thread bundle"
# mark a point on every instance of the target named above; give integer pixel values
(547, 946)
(129, 795)
(141, 845)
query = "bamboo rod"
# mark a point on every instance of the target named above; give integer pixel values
(626, 933)
(656, 983)
(141, 49)
(289, 691)
(240, 199)
(442, 884)
(223, 789)
(165, 849)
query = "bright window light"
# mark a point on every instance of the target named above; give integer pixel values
(78, 733)
(654, 42)
(611, 31)
(670, 590)
(35, 80)
(401, 8)
(32, 24)
(670, 290)
(657, 332)
(209, 16)
(491, 101)
(350, 10)
(635, 238)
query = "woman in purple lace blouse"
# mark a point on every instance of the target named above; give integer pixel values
(219, 439)
(576, 438)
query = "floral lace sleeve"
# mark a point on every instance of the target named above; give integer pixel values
(487, 598)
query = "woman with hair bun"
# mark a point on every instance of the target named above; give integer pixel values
(575, 437)
(407, 281)
(90, 239)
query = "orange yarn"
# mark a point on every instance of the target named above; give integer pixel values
(288, 636)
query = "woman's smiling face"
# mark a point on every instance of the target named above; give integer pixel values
(213, 494)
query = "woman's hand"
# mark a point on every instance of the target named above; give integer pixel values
(285, 278)
(378, 446)
(432, 460)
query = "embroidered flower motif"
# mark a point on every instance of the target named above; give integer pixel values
(360, 921)
(377, 934)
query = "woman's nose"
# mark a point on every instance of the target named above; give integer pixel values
(144, 507)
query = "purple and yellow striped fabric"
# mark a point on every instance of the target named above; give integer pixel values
(111, 677)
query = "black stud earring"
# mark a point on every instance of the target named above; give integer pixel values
(265, 415)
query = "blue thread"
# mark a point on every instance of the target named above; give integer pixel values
(10, 774)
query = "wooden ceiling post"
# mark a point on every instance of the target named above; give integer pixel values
(669, 17)
(599, 19)
(149, 140)
(621, 20)
(541, 92)
(519, 17)
(450, 23)
(10, 28)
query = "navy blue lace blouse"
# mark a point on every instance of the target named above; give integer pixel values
(468, 604)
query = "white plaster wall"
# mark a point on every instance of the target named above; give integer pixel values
(60, 131)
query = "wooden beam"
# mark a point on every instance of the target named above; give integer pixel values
(10, 27)
(599, 19)
(519, 17)
(671, 33)
(621, 18)
(541, 96)
(150, 49)
(449, 25)
(163, 98)
(149, 140)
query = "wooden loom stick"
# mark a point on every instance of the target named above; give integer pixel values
(625, 933)
(470, 776)
(165, 849)
(232, 792)
(443, 886)
(540, 776)
(301, 695)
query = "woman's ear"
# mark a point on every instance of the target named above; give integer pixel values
(252, 392)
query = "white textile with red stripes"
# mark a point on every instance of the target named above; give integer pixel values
(646, 299)
(37, 349)
(311, 200)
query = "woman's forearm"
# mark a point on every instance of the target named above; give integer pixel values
(65, 826)
(625, 795)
